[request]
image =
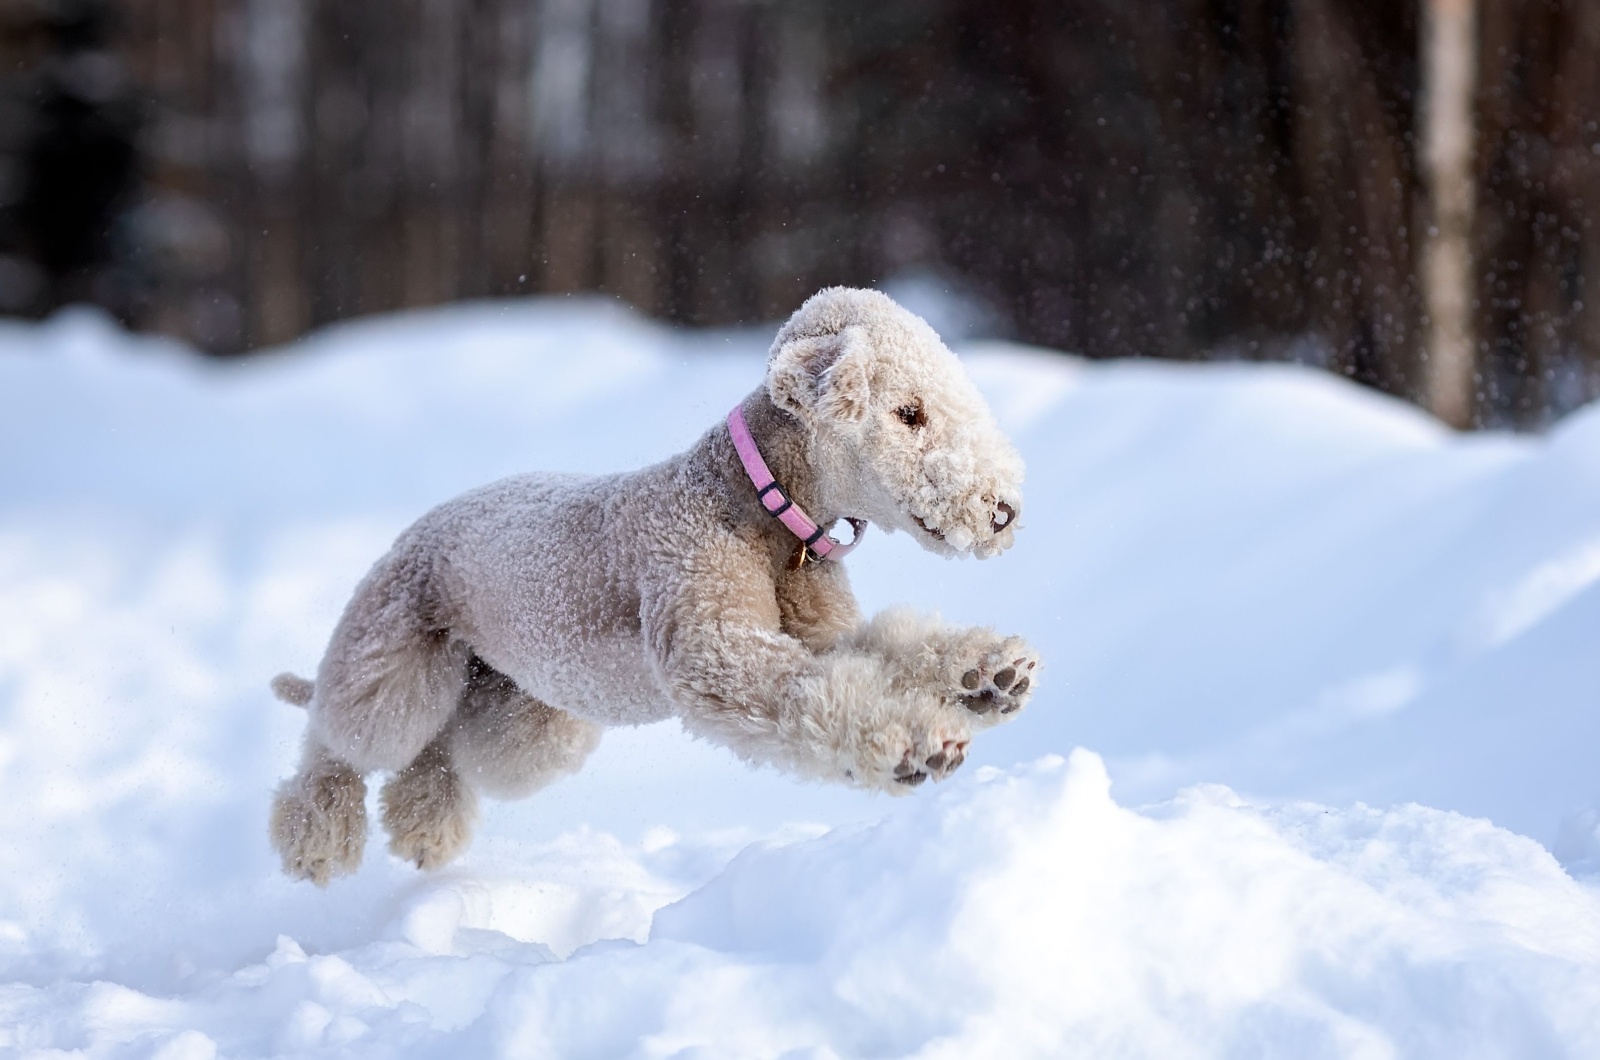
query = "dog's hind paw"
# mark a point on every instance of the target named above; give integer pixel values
(1001, 680)
(431, 844)
(319, 823)
(428, 811)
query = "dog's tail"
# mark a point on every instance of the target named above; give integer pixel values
(293, 689)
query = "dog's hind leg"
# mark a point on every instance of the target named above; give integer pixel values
(502, 742)
(319, 818)
(509, 744)
(389, 682)
(394, 670)
(428, 810)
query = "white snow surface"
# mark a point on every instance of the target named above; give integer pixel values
(1383, 638)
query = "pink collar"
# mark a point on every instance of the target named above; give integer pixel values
(817, 544)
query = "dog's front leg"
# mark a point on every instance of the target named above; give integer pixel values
(739, 680)
(988, 674)
(816, 605)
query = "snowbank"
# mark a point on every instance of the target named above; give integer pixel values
(1257, 576)
(1019, 913)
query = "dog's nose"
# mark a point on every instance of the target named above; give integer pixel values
(1006, 514)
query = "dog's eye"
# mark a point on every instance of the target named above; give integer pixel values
(912, 415)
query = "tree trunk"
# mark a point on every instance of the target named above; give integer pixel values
(1449, 64)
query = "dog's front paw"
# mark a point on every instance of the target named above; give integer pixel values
(1000, 680)
(901, 754)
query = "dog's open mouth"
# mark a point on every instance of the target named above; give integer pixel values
(939, 534)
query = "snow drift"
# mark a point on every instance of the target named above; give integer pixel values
(1023, 913)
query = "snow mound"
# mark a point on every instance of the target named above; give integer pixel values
(1020, 913)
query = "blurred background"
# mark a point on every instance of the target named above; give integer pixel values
(1401, 192)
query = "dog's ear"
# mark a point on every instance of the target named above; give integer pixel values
(822, 374)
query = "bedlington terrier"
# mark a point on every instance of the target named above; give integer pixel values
(506, 628)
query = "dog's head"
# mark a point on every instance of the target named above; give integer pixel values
(898, 434)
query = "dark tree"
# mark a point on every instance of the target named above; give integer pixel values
(74, 126)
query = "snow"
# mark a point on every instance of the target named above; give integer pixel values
(1379, 635)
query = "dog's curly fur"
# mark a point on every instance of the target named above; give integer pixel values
(487, 650)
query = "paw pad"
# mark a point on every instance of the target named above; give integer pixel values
(938, 765)
(1004, 690)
